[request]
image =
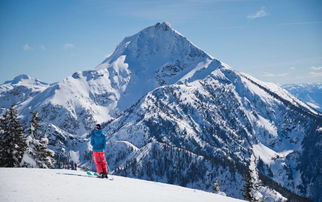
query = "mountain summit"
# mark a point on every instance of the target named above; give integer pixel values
(20, 89)
(156, 56)
(25, 79)
(159, 44)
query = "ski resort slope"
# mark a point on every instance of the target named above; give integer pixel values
(26, 184)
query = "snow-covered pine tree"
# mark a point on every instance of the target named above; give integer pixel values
(37, 154)
(216, 187)
(252, 182)
(248, 187)
(34, 125)
(12, 141)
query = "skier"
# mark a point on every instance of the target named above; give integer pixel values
(98, 142)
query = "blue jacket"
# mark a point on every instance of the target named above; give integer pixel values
(98, 140)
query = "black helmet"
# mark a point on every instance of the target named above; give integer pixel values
(98, 126)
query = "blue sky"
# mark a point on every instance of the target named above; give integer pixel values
(273, 40)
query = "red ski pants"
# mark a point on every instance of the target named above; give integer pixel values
(100, 162)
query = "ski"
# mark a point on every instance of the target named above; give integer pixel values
(97, 175)
(92, 173)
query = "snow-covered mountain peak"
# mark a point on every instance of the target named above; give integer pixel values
(156, 56)
(18, 79)
(165, 26)
(20, 89)
(25, 79)
(159, 42)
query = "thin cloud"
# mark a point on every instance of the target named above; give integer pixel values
(69, 46)
(268, 74)
(259, 14)
(315, 68)
(315, 74)
(26, 47)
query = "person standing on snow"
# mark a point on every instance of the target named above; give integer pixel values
(98, 142)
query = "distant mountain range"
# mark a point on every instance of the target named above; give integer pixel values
(309, 93)
(174, 114)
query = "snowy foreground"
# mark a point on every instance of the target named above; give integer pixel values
(23, 184)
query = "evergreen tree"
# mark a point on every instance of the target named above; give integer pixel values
(12, 141)
(37, 154)
(248, 187)
(34, 125)
(216, 187)
(252, 183)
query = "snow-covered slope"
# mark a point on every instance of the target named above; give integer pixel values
(76, 103)
(21, 89)
(66, 185)
(309, 93)
(155, 56)
(207, 129)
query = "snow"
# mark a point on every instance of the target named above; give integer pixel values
(315, 106)
(264, 153)
(281, 92)
(256, 90)
(74, 155)
(271, 195)
(24, 79)
(266, 124)
(20, 90)
(309, 93)
(153, 57)
(193, 75)
(29, 160)
(23, 184)
(267, 155)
